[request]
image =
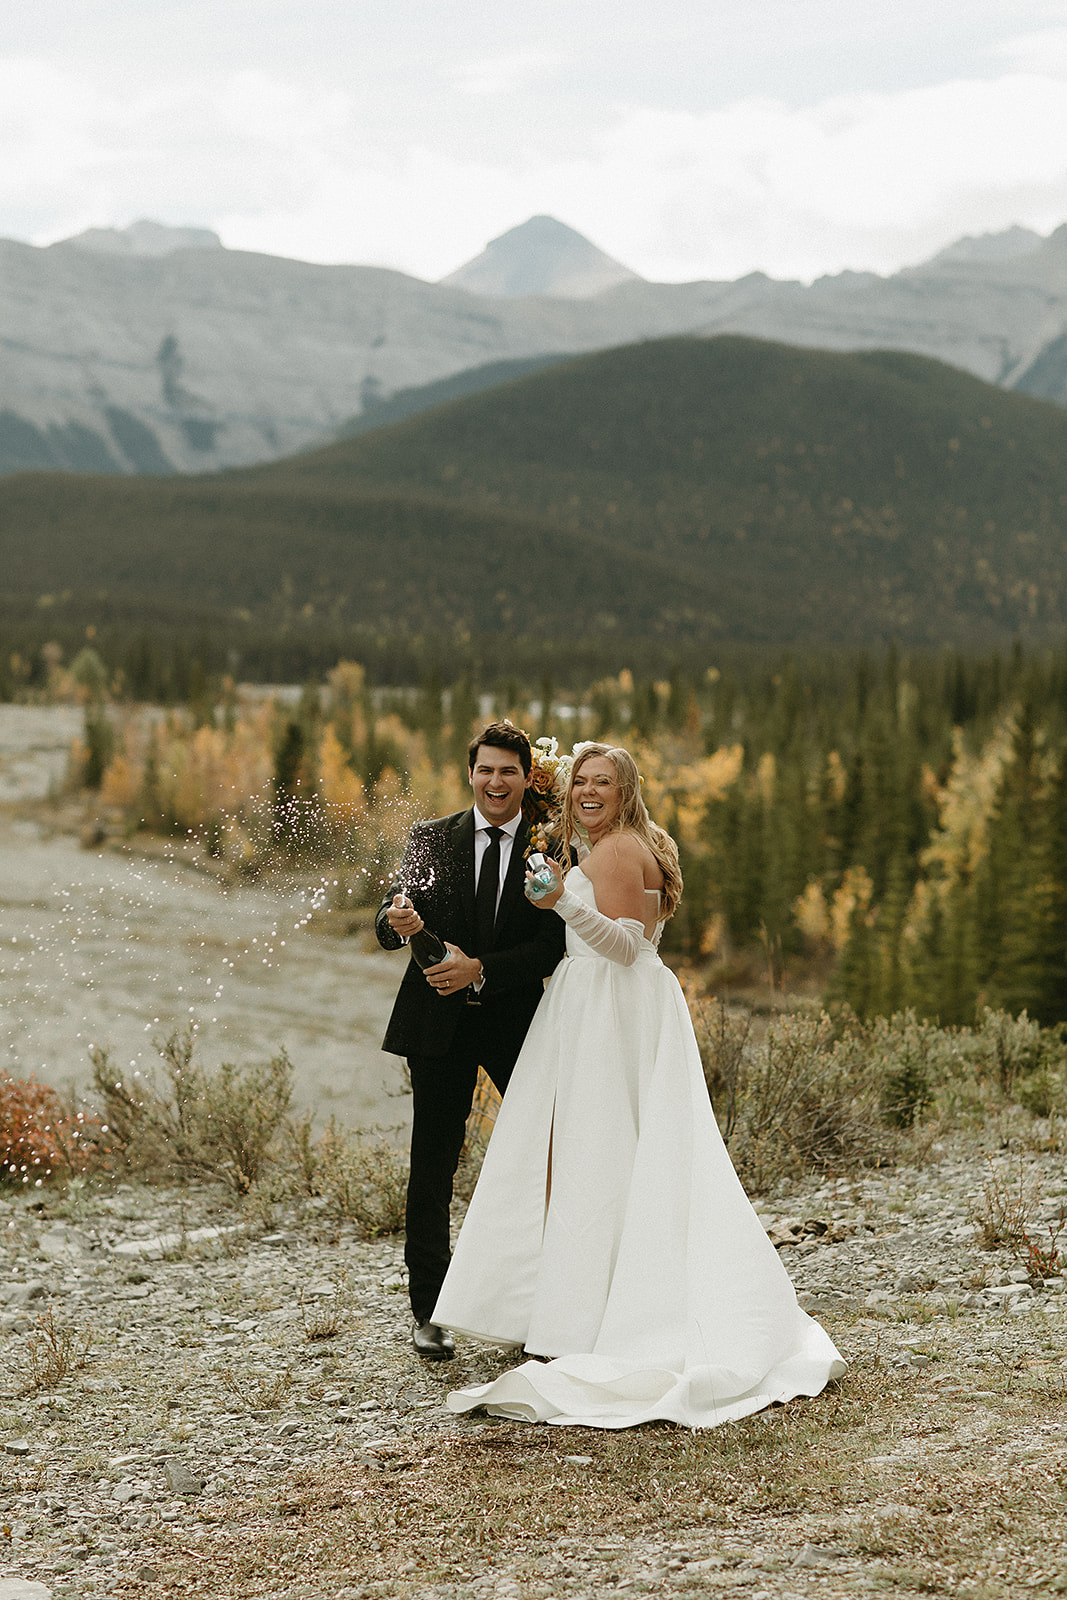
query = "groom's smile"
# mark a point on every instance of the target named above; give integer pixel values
(499, 783)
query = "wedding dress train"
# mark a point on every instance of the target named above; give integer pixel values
(609, 1231)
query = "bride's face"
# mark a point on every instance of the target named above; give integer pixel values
(596, 796)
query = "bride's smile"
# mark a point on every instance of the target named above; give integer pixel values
(597, 796)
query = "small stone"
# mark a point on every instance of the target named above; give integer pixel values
(24, 1294)
(167, 1243)
(60, 1243)
(180, 1480)
(810, 1556)
(23, 1589)
(125, 1492)
(579, 1461)
(17, 1447)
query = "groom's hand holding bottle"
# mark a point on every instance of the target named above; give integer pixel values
(447, 974)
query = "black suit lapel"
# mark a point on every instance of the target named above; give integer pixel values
(463, 856)
(512, 893)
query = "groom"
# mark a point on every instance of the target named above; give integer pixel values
(464, 875)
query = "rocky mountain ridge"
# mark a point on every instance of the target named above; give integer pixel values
(131, 360)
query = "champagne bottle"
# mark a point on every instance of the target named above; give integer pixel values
(426, 948)
(540, 879)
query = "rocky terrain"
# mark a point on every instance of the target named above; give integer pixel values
(121, 355)
(201, 1401)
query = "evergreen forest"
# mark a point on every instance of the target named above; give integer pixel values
(888, 832)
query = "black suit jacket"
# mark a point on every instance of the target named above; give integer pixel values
(437, 875)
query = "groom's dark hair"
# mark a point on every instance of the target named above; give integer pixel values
(502, 735)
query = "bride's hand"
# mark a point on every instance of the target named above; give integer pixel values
(547, 901)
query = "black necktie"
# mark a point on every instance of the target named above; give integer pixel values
(485, 896)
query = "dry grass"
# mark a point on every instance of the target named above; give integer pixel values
(882, 1469)
(257, 1391)
(329, 1315)
(1044, 1260)
(53, 1352)
(1010, 1195)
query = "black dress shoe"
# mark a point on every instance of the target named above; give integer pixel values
(432, 1342)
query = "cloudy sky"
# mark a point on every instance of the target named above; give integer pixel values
(690, 138)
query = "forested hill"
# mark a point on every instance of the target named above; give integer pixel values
(825, 494)
(682, 490)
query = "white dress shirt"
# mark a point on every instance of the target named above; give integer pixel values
(481, 845)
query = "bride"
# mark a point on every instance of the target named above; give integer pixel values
(609, 1234)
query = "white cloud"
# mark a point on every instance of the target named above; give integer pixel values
(862, 180)
(503, 74)
(1043, 51)
(870, 181)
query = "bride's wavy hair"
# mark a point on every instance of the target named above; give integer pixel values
(633, 817)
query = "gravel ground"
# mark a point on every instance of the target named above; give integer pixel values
(232, 1363)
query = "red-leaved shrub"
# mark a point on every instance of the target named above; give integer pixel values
(40, 1137)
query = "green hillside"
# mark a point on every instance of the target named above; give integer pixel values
(690, 492)
(424, 396)
(828, 495)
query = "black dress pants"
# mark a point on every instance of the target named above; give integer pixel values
(442, 1089)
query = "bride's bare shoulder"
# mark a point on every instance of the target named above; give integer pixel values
(628, 853)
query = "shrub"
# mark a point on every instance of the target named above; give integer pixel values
(362, 1176)
(794, 1102)
(41, 1137)
(202, 1124)
(1014, 1046)
(722, 1039)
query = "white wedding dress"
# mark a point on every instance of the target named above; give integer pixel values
(609, 1231)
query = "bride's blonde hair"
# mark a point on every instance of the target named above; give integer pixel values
(633, 817)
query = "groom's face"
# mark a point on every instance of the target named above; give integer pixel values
(499, 783)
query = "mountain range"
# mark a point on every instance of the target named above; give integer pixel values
(687, 492)
(155, 350)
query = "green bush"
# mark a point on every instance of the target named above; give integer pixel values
(794, 1102)
(200, 1124)
(362, 1176)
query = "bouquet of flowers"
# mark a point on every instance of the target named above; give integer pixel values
(544, 797)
